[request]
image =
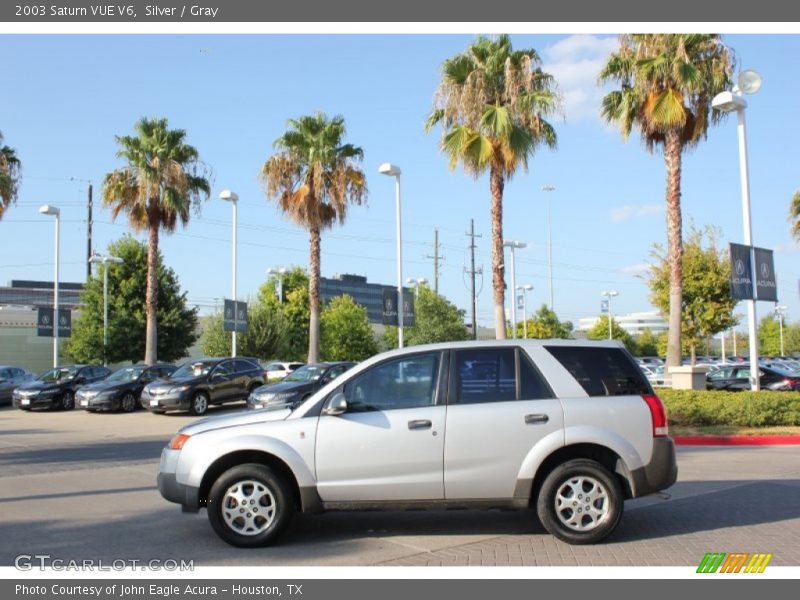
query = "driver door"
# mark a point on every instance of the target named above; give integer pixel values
(389, 445)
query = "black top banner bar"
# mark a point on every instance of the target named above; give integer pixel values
(439, 11)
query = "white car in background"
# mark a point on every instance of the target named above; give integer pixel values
(278, 370)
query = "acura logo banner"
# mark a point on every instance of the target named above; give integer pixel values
(741, 273)
(766, 285)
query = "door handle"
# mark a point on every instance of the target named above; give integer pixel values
(420, 424)
(536, 419)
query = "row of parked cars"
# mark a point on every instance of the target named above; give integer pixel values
(733, 374)
(193, 386)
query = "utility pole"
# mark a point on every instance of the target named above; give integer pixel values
(472, 272)
(89, 236)
(436, 258)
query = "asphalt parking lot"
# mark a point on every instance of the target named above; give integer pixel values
(82, 486)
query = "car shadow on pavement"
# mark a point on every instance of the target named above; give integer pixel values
(711, 505)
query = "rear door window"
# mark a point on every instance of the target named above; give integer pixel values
(602, 371)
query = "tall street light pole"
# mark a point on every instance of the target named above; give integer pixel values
(610, 294)
(55, 212)
(105, 260)
(391, 170)
(233, 198)
(514, 246)
(280, 272)
(549, 188)
(525, 289)
(749, 83)
(781, 312)
(416, 283)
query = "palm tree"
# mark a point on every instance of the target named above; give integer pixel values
(492, 103)
(666, 84)
(313, 177)
(157, 188)
(9, 176)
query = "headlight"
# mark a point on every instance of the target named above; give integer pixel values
(45, 393)
(179, 388)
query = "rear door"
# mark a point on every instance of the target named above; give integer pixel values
(222, 382)
(499, 408)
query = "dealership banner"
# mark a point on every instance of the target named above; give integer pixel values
(44, 322)
(766, 284)
(741, 272)
(235, 318)
(390, 308)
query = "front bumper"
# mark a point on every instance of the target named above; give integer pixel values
(97, 403)
(169, 487)
(660, 473)
(165, 402)
(35, 402)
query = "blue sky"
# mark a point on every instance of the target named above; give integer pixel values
(67, 96)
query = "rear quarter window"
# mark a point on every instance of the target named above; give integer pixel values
(602, 371)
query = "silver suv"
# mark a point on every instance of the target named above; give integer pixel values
(571, 428)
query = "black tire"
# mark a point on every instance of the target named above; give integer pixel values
(128, 402)
(199, 404)
(271, 494)
(67, 401)
(577, 485)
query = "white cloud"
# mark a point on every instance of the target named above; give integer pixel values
(629, 211)
(636, 270)
(575, 62)
(787, 248)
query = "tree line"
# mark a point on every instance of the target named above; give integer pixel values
(494, 106)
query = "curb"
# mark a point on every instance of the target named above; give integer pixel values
(737, 440)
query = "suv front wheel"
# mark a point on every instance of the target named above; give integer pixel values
(250, 505)
(580, 502)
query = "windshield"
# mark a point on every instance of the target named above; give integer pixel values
(59, 374)
(194, 369)
(307, 373)
(126, 374)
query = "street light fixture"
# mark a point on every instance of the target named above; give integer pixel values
(53, 211)
(749, 82)
(105, 260)
(514, 246)
(391, 170)
(233, 198)
(610, 294)
(781, 312)
(525, 289)
(279, 272)
(416, 283)
(549, 188)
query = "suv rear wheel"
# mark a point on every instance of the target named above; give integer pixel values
(250, 505)
(580, 502)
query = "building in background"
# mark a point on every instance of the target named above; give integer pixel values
(368, 295)
(633, 323)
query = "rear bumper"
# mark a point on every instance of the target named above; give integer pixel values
(660, 473)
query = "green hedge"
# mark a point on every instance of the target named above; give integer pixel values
(740, 409)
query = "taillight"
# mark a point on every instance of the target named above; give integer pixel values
(657, 414)
(790, 382)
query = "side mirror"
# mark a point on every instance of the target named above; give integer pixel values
(80, 379)
(336, 406)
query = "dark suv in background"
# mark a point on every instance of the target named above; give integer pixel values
(296, 387)
(199, 383)
(121, 389)
(56, 388)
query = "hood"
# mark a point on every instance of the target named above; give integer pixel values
(285, 386)
(39, 386)
(170, 382)
(243, 417)
(106, 386)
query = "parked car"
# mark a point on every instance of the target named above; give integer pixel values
(121, 390)
(654, 374)
(736, 378)
(570, 427)
(56, 388)
(275, 371)
(11, 378)
(199, 383)
(649, 361)
(298, 386)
